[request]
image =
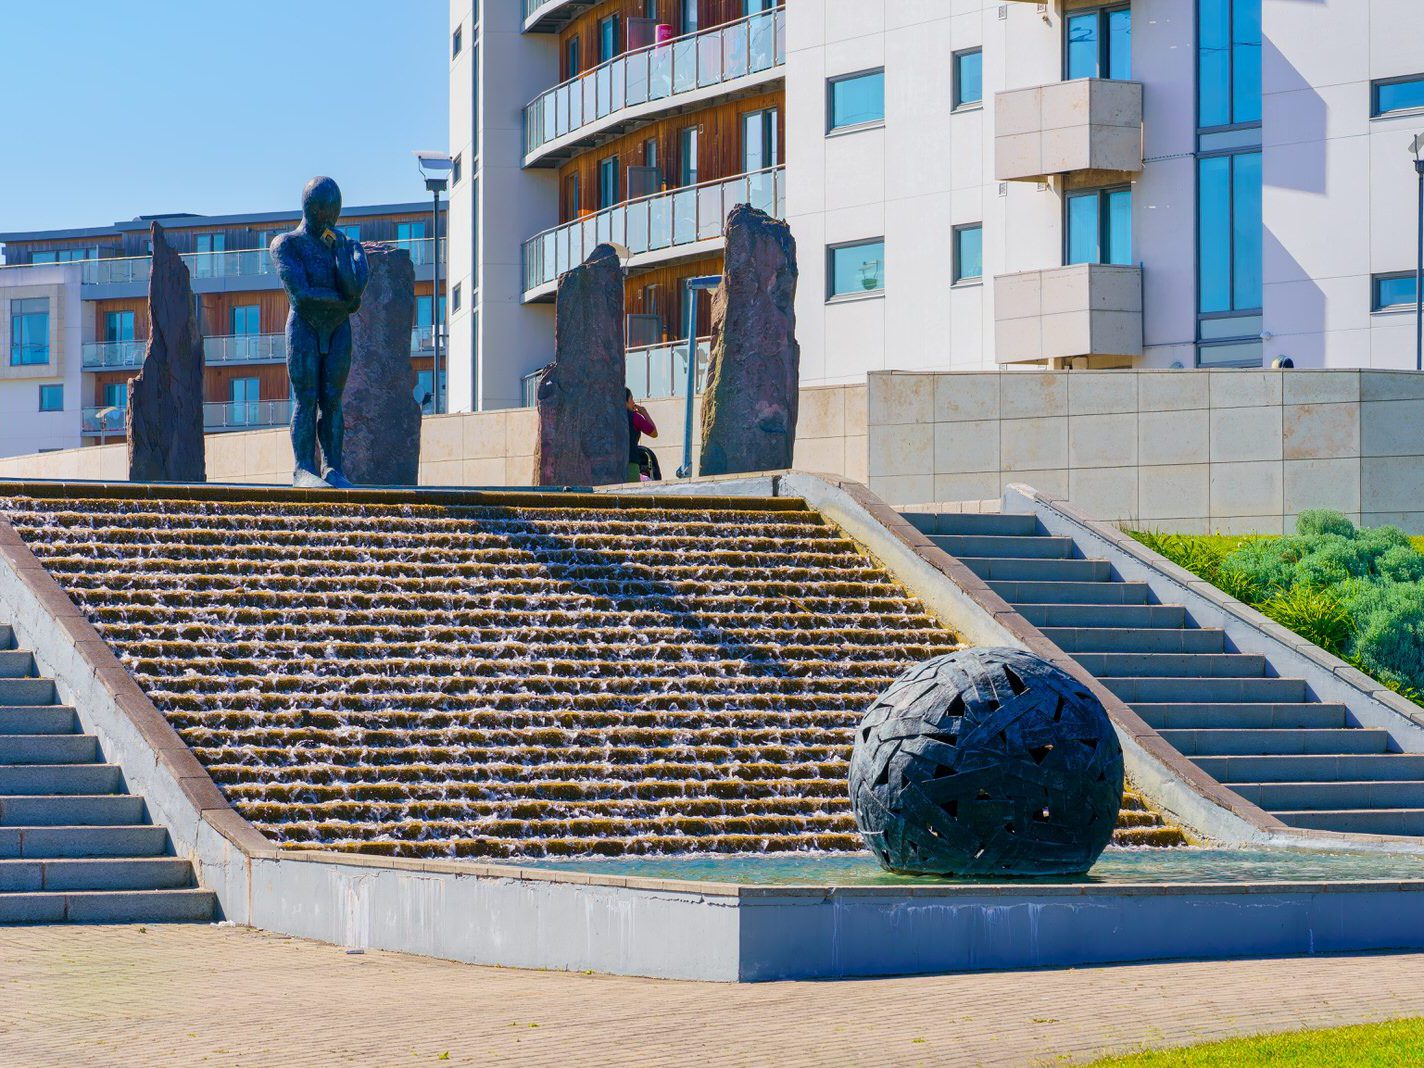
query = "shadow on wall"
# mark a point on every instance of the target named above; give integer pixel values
(1295, 114)
(1296, 300)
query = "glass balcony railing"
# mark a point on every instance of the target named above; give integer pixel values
(108, 419)
(663, 221)
(659, 72)
(245, 348)
(246, 415)
(243, 263)
(422, 339)
(654, 371)
(103, 355)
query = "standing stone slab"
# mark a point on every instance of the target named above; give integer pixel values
(165, 412)
(750, 403)
(382, 446)
(583, 420)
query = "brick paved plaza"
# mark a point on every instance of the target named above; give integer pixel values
(191, 995)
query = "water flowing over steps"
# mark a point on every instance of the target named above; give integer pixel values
(74, 847)
(488, 680)
(1265, 737)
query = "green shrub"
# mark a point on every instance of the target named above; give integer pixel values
(1323, 521)
(1318, 615)
(1259, 569)
(1402, 563)
(1389, 630)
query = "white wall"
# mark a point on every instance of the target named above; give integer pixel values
(23, 427)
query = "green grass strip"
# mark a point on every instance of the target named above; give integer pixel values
(1399, 1042)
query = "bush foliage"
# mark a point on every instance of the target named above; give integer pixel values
(1356, 593)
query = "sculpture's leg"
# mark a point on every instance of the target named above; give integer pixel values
(331, 426)
(302, 362)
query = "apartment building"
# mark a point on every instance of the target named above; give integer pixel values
(73, 305)
(972, 184)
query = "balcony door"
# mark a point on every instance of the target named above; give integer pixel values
(244, 395)
(119, 326)
(206, 265)
(246, 325)
(760, 148)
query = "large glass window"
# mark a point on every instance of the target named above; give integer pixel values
(1098, 44)
(687, 156)
(968, 78)
(119, 326)
(857, 99)
(29, 331)
(247, 319)
(44, 257)
(607, 38)
(856, 269)
(409, 232)
(689, 15)
(759, 140)
(1228, 62)
(572, 65)
(352, 231)
(244, 409)
(1399, 94)
(1098, 227)
(1229, 233)
(52, 398)
(968, 253)
(608, 182)
(116, 395)
(73, 255)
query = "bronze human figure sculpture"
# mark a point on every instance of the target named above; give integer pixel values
(324, 273)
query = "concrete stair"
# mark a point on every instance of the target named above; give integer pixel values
(1264, 736)
(74, 847)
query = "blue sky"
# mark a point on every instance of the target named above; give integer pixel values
(115, 108)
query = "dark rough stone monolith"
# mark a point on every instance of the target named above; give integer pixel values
(749, 406)
(165, 413)
(583, 420)
(382, 446)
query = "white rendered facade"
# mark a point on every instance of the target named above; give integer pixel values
(1335, 194)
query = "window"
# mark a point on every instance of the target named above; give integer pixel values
(457, 41)
(210, 243)
(116, 395)
(687, 156)
(754, 7)
(1229, 233)
(1398, 94)
(857, 100)
(968, 78)
(759, 140)
(969, 253)
(423, 309)
(856, 269)
(424, 394)
(244, 409)
(247, 319)
(572, 66)
(455, 297)
(607, 38)
(52, 398)
(1098, 44)
(407, 233)
(73, 255)
(1394, 291)
(650, 152)
(1228, 62)
(119, 326)
(29, 332)
(204, 266)
(608, 182)
(572, 204)
(457, 168)
(689, 15)
(1097, 227)
(45, 257)
(351, 230)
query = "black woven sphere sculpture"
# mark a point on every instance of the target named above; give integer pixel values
(986, 762)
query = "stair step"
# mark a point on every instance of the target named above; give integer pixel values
(1283, 742)
(109, 906)
(1381, 793)
(1018, 593)
(1042, 546)
(48, 749)
(133, 840)
(27, 692)
(1173, 665)
(38, 719)
(16, 663)
(1225, 716)
(990, 524)
(1206, 690)
(1032, 569)
(36, 779)
(1312, 768)
(1136, 639)
(71, 809)
(126, 873)
(1114, 616)
(1357, 820)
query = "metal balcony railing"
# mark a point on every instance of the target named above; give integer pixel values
(245, 348)
(422, 339)
(242, 263)
(654, 371)
(246, 415)
(658, 72)
(105, 419)
(103, 355)
(650, 224)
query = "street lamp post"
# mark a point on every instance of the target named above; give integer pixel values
(694, 286)
(435, 168)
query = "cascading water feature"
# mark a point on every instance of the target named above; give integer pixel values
(516, 679)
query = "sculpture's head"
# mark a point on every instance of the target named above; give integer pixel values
(321, 204)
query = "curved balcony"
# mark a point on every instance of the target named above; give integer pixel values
(103, 420)
(551, 16)
(111, 355)
(680, 224)
(606, 101)
(245, 348)
(245, 415)
(239, 263)
(654, 371)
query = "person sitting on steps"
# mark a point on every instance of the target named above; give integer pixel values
(639, 423)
